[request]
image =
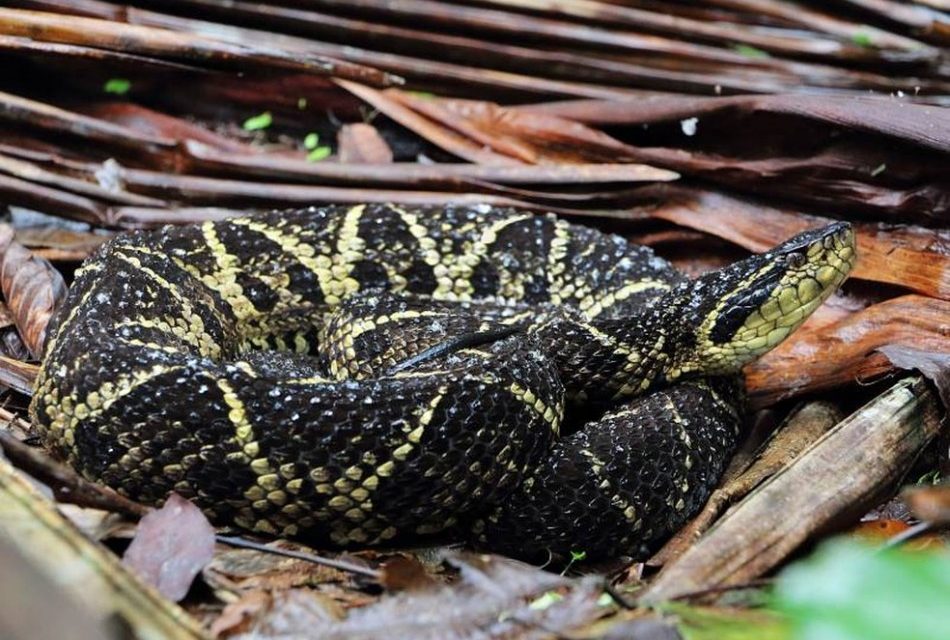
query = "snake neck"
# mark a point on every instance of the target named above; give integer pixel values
(602, 360)
(713, 325)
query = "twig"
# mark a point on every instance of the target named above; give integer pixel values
(333, 563)
(67, 485)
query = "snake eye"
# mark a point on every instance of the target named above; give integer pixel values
(795, 260)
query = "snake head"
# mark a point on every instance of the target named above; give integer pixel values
(738, 313)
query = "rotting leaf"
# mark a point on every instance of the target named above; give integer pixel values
(361, 143)
(171, 546)
(530, 137)
(912, 257)
(59, 244)
(934, 365)
(250, 570)
(911, 329)
(403, 572)
(32, 287)
(931, 504)
(436, 133)
(492, 600)
(239, 616)
(18, 375)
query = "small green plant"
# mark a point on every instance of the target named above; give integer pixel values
(862, 39)
(750, 51)
(259, 122)
(318, 154)
(576, 556)
(118, 86)
(311, 141)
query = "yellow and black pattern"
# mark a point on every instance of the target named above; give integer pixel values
(351, 374)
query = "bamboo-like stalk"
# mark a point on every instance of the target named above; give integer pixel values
(91, 575)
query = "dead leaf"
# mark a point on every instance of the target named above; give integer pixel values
(930, 503)
(439, 135)
(879, 531)
(402, 573)
(33, 289)
(6, 318)
(18, 375)
(250, 570)
(837, 354)
(360, 143)
(239, 616)
(912, 257)
(495, 598)
(171, 546)
(935, 366)
(62, 244)
(297, 613)
(532, 138)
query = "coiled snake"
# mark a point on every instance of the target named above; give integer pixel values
(354, 375)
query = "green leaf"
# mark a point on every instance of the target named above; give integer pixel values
(311, 141)
(301, 103)
(318, 154)
(750, 52)
(118, 86)
(862, 39)
(258, 122)
(849, 591)
(578, 556)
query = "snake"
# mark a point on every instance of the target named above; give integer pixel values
(363, 375)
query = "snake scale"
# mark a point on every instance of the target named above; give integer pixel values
(358, 375)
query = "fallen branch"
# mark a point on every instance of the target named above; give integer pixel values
(68, 486)
(841, 476)
(93, 577)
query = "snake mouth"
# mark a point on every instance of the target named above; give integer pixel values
(772, 294)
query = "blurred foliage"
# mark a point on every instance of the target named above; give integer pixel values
(851, 591)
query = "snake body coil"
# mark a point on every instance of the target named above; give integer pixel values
(356, 374)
